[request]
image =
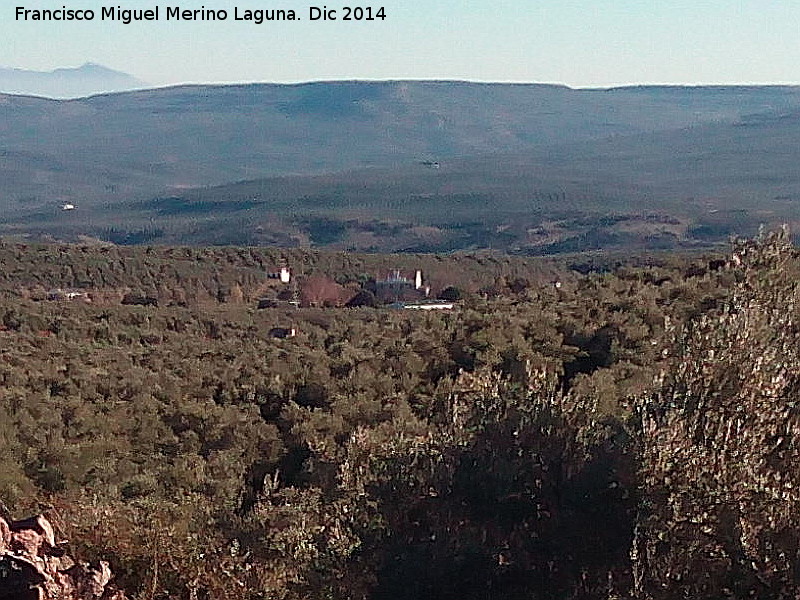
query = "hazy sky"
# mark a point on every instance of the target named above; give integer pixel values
(576, 42)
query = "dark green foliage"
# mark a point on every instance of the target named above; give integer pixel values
(718, 463)
(451, 294)
(139, 299)
(363, 298)
(323, 231)
(125, 237)
(626, 434)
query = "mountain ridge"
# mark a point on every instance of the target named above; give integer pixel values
(515, 149)
(66, 82)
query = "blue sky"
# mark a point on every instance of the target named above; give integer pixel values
(575, 42)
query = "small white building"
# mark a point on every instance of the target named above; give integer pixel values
(424, 305)
(284, 275)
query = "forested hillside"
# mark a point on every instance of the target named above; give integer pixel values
(403, 166)
(626, 433)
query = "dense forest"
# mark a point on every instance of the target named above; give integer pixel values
(575, 428)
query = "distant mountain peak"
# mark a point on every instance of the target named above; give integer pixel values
(67, 82)
(92, 66)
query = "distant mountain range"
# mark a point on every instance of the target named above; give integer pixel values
(404, 165)
(65, 83)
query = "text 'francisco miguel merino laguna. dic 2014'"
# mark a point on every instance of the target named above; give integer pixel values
(176, 13)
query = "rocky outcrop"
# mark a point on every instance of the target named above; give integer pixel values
(34, 567)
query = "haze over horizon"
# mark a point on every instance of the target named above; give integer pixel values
(573, 43)
(140, 84)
